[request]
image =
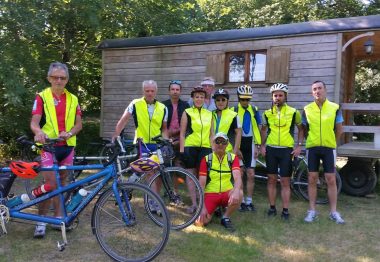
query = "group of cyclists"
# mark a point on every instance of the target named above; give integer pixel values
(215, 141)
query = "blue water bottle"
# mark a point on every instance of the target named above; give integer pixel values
(18, 200)
(75, 200)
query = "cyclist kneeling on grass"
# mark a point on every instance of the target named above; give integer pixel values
(216, 173)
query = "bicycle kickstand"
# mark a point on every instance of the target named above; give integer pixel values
(61, 245)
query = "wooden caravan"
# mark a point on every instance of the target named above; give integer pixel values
(296, 54)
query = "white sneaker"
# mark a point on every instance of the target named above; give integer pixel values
(39, 232)
(335, 216)
(311, 216)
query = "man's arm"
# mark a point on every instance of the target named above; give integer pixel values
(164, 130)
(182, 132)
(39, 135)
(236, 193)
(338, 131)
(264, 130)
(121, 124)
(75, 130)
(237, 142)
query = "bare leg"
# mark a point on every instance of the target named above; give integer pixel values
(332, 190)
(250, 181)
(312, 189)
(191, 187)
(285, 191)
(272, 189)
(231, 208)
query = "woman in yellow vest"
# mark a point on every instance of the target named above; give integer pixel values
(195, 135)
(226, 120)
(277, 146)
(62, 116)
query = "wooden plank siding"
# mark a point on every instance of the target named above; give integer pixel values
(312, 57)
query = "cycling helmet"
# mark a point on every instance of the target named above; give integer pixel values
(198, 89)
(24, 169)
(221, 92)
(279, 87)
(244, 91)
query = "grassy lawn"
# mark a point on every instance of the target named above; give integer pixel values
(257, 238)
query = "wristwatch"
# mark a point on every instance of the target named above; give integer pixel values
(71, 134)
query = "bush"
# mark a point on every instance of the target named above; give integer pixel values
(87, 138)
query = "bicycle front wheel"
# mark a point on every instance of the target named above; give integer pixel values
(301, 185)
(181, 193)
(136, 238)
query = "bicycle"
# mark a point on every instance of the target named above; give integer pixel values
(299, 180)
(171, 183)
(120, 219)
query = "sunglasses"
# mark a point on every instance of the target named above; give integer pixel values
(221, 100)
(221, 142)
(176, 82)
(56, 78)
(244, 99)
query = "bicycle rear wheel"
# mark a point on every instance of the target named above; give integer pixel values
(137, 239)
(177, 196)
(301, 185)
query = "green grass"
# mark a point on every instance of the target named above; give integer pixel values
(257, 238)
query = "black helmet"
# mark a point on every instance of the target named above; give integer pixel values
(221, 92)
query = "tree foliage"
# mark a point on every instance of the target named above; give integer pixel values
(34, 33)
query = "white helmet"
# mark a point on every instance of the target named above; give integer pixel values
(244, 91)
(279, 87)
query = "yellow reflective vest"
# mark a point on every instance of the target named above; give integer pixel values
(321, 124)
(219, 177)
(146, 127)
(198, 127)
(50, 128)
(225, 122)
(281, 125)
(255, 128)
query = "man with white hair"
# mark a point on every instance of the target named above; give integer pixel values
(150, 116)
(208, 84)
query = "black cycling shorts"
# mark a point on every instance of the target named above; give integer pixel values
(194, 155)
(279, 160)
(317, 154)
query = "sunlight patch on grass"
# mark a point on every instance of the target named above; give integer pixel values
(215, 234)
(365, 259)
(288, 254)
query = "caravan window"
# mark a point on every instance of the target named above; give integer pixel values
(247, 66)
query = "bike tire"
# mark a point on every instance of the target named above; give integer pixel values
(301, 185)
(139, 241)
(178, 203)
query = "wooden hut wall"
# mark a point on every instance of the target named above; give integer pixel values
(312, 57)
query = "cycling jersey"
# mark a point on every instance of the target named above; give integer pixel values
(281, 125)
(255, 121)
(224, 123)
(148, 126)
(219, 177)
(321, 124)
(198, 127)
(50, 127)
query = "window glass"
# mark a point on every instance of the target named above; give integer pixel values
(236, 68)
(257, 67)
